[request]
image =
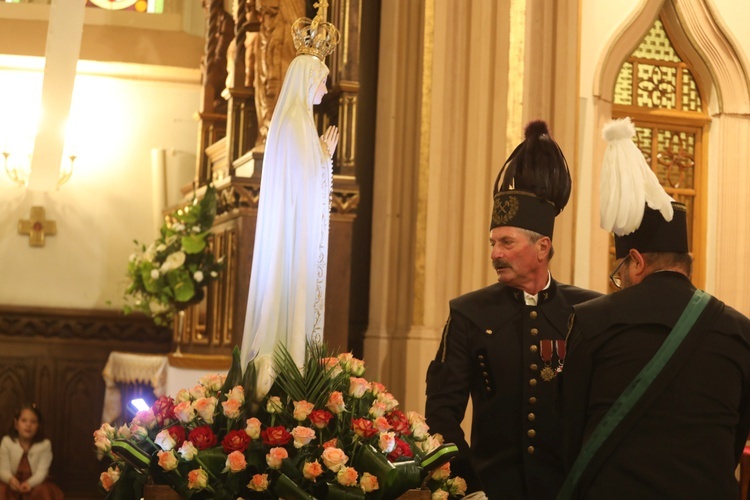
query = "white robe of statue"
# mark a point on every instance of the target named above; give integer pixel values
(288, 281)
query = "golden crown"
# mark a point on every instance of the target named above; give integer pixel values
(317, 36)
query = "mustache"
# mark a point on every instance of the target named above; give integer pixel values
(500, 264)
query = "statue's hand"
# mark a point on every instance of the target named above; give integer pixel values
(330, 139)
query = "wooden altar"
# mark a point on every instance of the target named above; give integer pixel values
(238, 85)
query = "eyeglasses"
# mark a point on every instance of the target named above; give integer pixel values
(615, 276)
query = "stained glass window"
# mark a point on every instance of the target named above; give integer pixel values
(655, 87)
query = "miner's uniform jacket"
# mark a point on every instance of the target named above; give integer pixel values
(496, 348)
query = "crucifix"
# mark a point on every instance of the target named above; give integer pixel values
(37, 227)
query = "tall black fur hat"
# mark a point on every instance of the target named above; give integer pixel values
(533, 186)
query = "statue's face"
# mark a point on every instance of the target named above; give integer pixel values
(320, 91)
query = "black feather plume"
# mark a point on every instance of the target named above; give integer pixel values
(537, 165)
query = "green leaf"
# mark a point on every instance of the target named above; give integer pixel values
(249, 383)
(214, 459)
(194, 243)
(288, 490)
(338, 492)
(182, 284)
(393, 479)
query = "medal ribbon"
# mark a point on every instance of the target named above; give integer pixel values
(545, 351)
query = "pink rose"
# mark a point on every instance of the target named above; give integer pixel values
(273, 405)
(440, 495)
(368, 483)
(103, 444)
(388, 400)
(232, 408)
(110, 477)
(183, 395)
(347, 476)
(358, 387)
(212, 382)
(311, 470)
(301, 410)
(382, 424)
(167, 460)
(205, 408)
(253, 428)
(414, 417)
(334, 458)
(275, 456)
(320, 418)
(377, 388)
(456, 486)
(357, 367)
(198, 392)
(105, 430)
(237, 394)
(331, 443)
(420, 431)
(336, 403)
(184, 412)
(259, 482)
(377, 409)
(302, 436)
(387, 442)
(145, 418)
(443, 472)
(332, 367)
(197, 479)
(236, 462)
(124, 432)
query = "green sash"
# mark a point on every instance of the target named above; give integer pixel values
(632, 394)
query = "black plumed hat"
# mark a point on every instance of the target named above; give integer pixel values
(533, 186)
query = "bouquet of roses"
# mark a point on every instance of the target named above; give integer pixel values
(321, 432)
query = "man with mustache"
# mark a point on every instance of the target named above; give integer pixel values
(503, 344)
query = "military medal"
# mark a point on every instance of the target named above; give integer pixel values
(545, 352)
(560, 348)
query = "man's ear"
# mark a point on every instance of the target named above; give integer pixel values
(638, 263)
(545, 244)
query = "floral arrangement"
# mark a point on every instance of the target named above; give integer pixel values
(169, 274)
(321, 432)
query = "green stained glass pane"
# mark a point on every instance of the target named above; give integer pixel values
(675, 163)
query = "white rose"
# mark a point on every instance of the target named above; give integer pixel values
(161, 247)
(155, 274)
(196, 229)
(198, 276)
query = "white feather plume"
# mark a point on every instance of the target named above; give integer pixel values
(627, 182)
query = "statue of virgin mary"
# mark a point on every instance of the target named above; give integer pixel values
(288, 278)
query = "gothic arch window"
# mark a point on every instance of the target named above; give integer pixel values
(658, 90)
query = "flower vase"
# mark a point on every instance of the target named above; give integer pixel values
(160, 492)
(180, 333)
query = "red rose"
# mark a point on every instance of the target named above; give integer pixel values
(399, 422)
(275, 436)
(364, 428)
(320, 418)
(402, 449)
(178, 434)
(163, 410)
(202, 437)
(235, 441)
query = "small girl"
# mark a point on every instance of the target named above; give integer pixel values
(25, 457)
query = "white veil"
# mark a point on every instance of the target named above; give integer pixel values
(290, 255)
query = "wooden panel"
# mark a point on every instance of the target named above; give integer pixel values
(55, 358)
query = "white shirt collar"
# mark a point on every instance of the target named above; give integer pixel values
(531, 300)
